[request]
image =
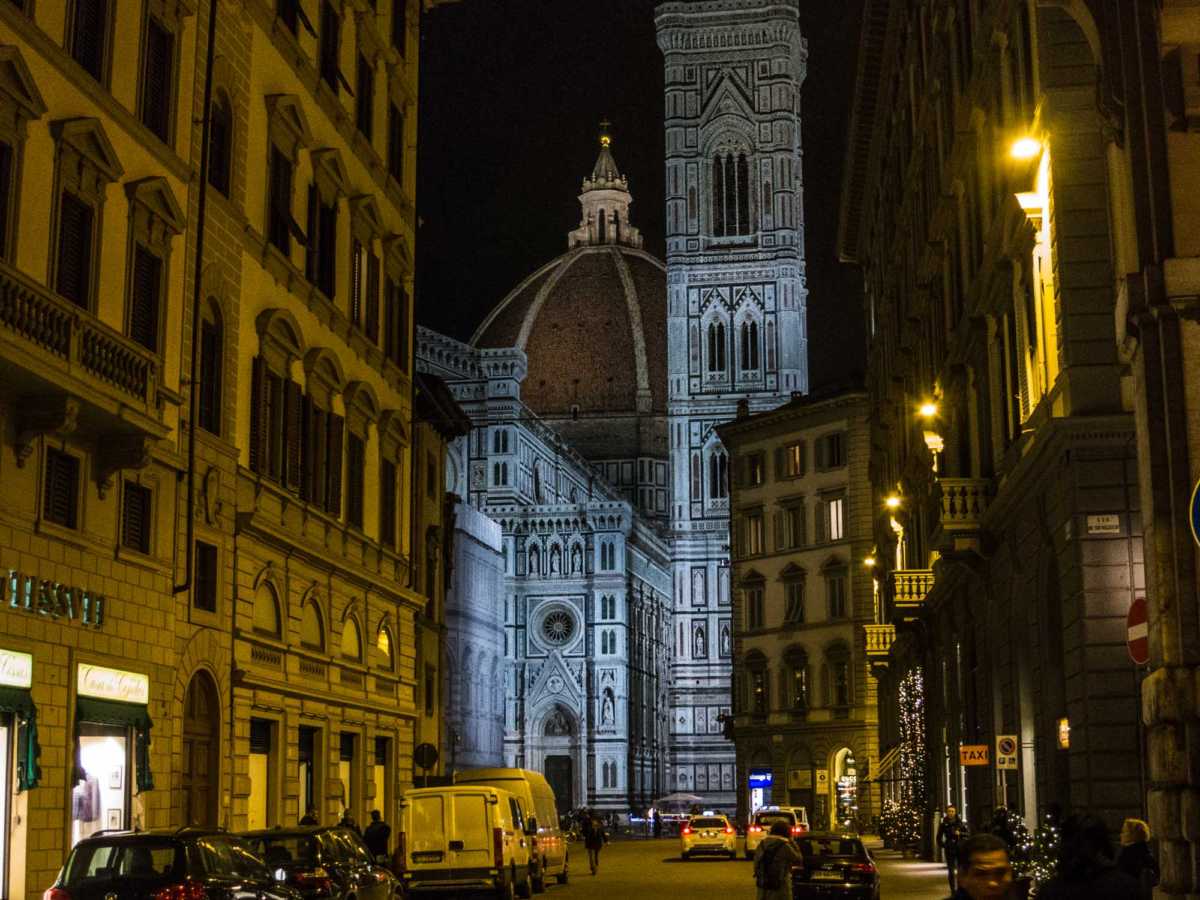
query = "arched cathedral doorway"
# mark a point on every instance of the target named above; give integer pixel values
(558, 741)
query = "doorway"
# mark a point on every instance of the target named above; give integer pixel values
(560, 774)
(201, 766)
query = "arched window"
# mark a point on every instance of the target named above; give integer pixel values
(603, 226)
(312, 632)
(730, 194)
(718, 475)
(220, 142)
(504, 473)
(351, 639)
(718, 196)
(383, 643)
(743, 194)
(770, 346)
(749, 354)
(266, 610)
(695, 476)
(208, 412)
(796, 678)
(716, 347)
(496, 442)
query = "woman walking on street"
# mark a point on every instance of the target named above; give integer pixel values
(1136, 859)
(773, 861)
(593, 839)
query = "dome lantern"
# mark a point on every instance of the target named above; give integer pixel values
(605, 203)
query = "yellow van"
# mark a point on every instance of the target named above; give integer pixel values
(537, 798)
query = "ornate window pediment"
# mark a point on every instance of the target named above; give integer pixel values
(86, 158)
(157, 216)
(323, 376)
(20, 100)
(329, 173)
(362, 406)
(365, 218)
(280, 338)
(792, 572)
(287, 124)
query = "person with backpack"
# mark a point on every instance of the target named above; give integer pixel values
(773, 861)
(594, 838)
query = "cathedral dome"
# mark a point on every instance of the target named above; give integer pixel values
(593, 322)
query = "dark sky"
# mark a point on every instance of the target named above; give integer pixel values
(511, 94)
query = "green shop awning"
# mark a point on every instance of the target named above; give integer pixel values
(122, 715)
(20, 702)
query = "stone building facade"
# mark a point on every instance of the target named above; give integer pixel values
(801, 513)
(1019, 196)
(736, 301)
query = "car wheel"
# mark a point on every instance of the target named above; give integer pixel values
(524, 886)
(683, 854)
(506, 890)
(539, 880)
(563, 876)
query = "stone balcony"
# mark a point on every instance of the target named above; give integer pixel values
(67, 372)
(910, 587)
(961, 505)
(879, 642)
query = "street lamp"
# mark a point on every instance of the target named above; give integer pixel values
(869, 562)
(892, 501)
(928, 410)
(1025, 148)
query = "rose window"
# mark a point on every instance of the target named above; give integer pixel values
(558, 626)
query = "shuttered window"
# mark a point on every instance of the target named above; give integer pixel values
(89, 35)
(145, 297)
(321, 256)
(364, 101)
(73, 278)
(290, 435)
(331, 41)
(356, 279)
(135, 517)
(220, 141)
(279, 215)
(355, 456)
(371, 301)
(60, 498)
(387, 503)
(204, 579)
(209, 388)
(335, 430)
(395, 148)
(7, 162)
(158, 78)
(399, 24)
(395, 324)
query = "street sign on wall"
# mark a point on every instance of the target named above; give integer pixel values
(822, 781)
(973, 754)
(1006, 751)
(761, 778)
(1138, 627)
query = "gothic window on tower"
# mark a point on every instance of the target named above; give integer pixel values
(716, 347)
(696, 492)
(730, 193)
(718, 475)
(749, 346)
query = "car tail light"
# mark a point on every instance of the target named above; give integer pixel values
(729, 829)
(498, 847)
(863, 868)
(687, 829)
(184, 890)
(797, 829)
(755, 829)
(316, 880)
(56, 893)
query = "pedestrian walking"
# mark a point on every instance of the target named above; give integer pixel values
(657, 823)
(1136, 859)
(984, 869)
(310, 817)
(348, 822)
(773, 861)
(1087, 869)
(377, 835)
(594, 838)
(951, 832)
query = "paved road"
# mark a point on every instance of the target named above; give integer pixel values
(632, 869)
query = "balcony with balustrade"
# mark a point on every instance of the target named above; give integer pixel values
(66, 371)
(962, 503)
(910, 587)
(879, 642)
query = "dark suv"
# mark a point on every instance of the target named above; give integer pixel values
(188, 864)
(323, 862)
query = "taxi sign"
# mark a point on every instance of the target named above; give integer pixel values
(973, 754)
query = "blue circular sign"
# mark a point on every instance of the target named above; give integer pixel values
(1194, 513)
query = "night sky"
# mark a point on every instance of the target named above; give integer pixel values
(511, 95)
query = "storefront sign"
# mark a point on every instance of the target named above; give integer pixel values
(1006, 751)
(973, 754)
(112, 684)
(761, 778)
(16, 669)
(51, 599)
(822, 781)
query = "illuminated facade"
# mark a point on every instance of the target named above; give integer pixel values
(1018, 197)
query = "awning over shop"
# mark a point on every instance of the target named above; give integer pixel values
(19, 702)
(122, 715)
(883, 771)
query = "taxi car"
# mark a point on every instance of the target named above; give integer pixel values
(707, 834)
(795, 817)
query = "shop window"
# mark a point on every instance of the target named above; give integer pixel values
(88, 29)
(205, 586)
(60, 496)
(364, 99)
(312, 630)
(100, 799)
(308, 760)
(260, 805)
(351, 640)
(136, 523)
(220, 142)
(347, 747)
(158, 77)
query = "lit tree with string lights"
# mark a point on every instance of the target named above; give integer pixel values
(913, 789)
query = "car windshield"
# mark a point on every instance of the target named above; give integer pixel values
(285, 849)
(708, 823)
(226, 857)
(825, 847)
(766, 820)
(146, 858)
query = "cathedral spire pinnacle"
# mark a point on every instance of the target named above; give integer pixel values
(605, 201)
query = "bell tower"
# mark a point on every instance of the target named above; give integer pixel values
(736, 316)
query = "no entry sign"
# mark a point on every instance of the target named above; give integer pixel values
(1139, 632)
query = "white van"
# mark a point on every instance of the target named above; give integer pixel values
(537, 799)
(463, 838)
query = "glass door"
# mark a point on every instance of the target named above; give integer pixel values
(100, 800)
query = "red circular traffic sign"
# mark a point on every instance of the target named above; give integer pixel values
(1138, 640)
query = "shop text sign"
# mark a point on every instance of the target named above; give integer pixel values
(51, 599)
(112, 684)
(16, 669)
(973, 754)
(761, 778)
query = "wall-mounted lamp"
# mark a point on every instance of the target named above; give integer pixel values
(892, 501)
(869, 562)
(1064, 733)
(1025, 148)
(928, 410)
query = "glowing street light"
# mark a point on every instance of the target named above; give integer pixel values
(1025, 148)
(892, 501)
(928, 410)
(869, 562)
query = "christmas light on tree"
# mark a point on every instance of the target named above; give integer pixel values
(1043, 857)
(912, 758)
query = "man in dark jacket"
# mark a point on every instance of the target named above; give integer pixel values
(1086, 868)
(984, 870)
(377, 835)
(951, 832)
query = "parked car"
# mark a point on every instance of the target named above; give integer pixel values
(548, 842)
(835, 866)
(322, 862)
(187, 864)
(463, 838)
(707, 834)
(795, 817)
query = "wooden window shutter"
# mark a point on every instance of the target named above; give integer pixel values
(280, 213)
(387, 505)
(372, 300)
(144, 302)
(307, 455)
(89, 32)
(61, 493)
(399, 24)
(354, 479)
(74, 274)
(395, 149)
(210, 377)
(333, 470)
(312, 249)
(135, 517)
(258, 415)
(6, 196)
(780, 463)
(326, 240)
(389, 320)
(330, 40)
(356, 281)
(781, 536)
(365, 101)
(402, 332)
(291, 429)
(320, 438)
(158, 77)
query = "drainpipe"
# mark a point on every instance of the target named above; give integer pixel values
(202, 206)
